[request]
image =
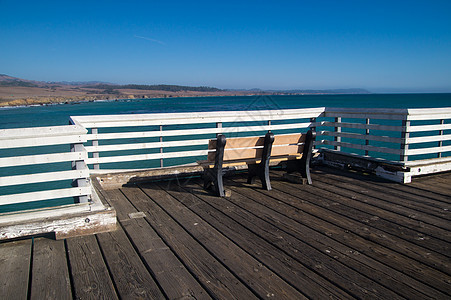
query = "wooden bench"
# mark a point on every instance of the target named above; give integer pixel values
(256, 153)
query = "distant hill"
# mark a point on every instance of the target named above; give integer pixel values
(16, 91)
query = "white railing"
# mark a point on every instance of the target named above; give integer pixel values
(36, 143)
(388, 135)
(179, 135)
(416, 139)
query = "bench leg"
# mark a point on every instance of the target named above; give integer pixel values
(303, 165)
(262, 171)
(213, 180)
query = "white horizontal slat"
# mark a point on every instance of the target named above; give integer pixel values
(45, 195)
(20, 133)
(42, 141)
(94, 121)
(359, 126)
(43, 177)
(425, 139)
(137, 157)
(367, 110)
(182, 132)
(428, 150)
(429, 113)
(362, 136)
(203, 120)
(366, 113)
(429, 128)
(363, 147)
(136, 146)
(429, 161)
(42, 159)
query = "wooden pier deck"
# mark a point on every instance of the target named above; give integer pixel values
(348, 235)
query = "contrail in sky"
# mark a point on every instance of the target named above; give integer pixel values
(149, 39)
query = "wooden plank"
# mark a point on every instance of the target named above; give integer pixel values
(184, 132)
(408, 208)
(175, 280)
(295, 271)
(428, 150)
(138, 157)
(129, 274)
(263, 281)
(420, 128)
(362, 136)
(90, 275)
(41, 159)
(359, 126)
(195, 117)
(384, 223)
(117, 200)
(425, 139)
(50, 275)
(135, 146)
(373, 242)
(15, 267)
(296, 238)
(429, 113)
(219, 281)
(33, 132)
(363, 147)
(42, 141)
(288, 139)
(45, 195)
(398, 270)
(394, 197)
(43, 177)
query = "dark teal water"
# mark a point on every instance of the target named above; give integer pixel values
(21, 117)
(59, 114)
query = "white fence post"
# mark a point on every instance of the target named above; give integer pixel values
(337, 129)
(95, 143)
(440, 143)
(79, 165)
(405, 140)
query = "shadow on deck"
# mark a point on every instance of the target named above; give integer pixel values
(346, 236)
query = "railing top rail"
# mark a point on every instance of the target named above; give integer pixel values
(291, 113)
(429, 113)
(37, 132)
(388, 111)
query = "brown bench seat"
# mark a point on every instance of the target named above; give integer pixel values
(256, 152)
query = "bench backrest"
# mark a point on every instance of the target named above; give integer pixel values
(252, 147)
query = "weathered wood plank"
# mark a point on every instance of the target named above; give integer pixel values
(50, 275)
(359, 207)
(406, 194)
(289, 213)
(263, 281)
(90, 275)
(43, 177)
(195, 117)
(361, 239)
(41, 159)
(129, 274)
(291, 268)
(409, 208)
(374, 233)
(219, 281)
(120, 203)
(15, 267)
(175, 280)
(45, 195)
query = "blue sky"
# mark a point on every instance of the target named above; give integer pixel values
(383, 46)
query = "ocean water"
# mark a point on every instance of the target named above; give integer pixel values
(53, 115)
